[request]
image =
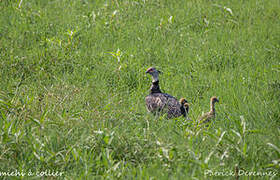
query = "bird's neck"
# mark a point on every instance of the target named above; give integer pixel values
(212, 107)
(155, 87)
(184, 110)
(155, 77)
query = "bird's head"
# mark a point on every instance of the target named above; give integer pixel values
(183, 101)
(214, 99)
(187, 105)
(154, 72)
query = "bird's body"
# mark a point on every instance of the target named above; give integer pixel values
(207, 117)
(158, 102)
(165, 103)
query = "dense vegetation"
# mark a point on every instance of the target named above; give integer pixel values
(73, 84)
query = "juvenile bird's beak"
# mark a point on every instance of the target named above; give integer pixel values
(147, 71)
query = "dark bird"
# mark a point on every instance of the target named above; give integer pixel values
(158, 102)
(184, 106)
(207, 117)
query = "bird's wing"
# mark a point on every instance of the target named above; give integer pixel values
(174, 107)
(155, 102)
(163, 101)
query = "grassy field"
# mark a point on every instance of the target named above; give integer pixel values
(73, 85)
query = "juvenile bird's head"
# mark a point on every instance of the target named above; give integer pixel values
(187, 105)
(183, 101)
(154, 72)
(214, 99)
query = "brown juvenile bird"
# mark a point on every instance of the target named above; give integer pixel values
(187, 106)
(207, 117)
(184, 106)
(157, 101)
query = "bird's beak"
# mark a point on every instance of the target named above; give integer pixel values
(147, 71)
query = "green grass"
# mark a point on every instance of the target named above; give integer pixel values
(73, 84)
